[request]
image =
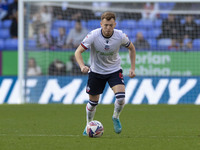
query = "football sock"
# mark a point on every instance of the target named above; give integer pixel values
(119, 104)
(90, 110)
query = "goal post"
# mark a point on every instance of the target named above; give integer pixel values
(163, 55)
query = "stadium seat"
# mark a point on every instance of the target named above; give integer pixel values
(93, 24)
(185, 41)
(128, 32)
(157, 23)
(1, 24)
(147, 24)
(32, 43)
(10, 1)
(197, 21)
(11, 44)
(196, 43)
(7, 23)
(62, 23)
(54, 33)
(154, 32)
(153, 43)
(130, 24)
(144, 32)
(4, 33)
(1, 44)
(164, 43)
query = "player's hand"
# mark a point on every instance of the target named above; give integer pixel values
(132, 73)
(85, 69)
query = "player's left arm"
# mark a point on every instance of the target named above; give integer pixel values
(132, 54)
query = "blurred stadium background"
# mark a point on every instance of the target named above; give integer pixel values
(166, 36)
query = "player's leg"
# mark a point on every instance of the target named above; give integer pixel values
(95, 87)
(116, 82)
(119, 91)
(91, 107)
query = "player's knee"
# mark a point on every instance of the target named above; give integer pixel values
(93, 103)
(120, 98)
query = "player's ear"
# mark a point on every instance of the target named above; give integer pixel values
(101, 24)
(115, 24)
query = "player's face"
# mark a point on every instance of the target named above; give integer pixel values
(108, 27)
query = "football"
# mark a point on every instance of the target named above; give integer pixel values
(95, 129)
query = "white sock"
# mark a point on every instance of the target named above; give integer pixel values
(119, 104)
(90, 110)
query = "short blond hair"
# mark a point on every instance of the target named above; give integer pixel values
(108, 16)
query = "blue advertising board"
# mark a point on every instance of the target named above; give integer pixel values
(71, 90)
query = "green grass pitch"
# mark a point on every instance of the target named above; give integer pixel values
(60, 127)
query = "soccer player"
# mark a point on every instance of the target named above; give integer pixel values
(104, 44)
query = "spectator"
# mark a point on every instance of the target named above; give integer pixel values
(14, 26)
(190, 28)
(174, 45)
(188, 46)
(46, 17)
(76, 35)
(171, 28)
(3, 9)
(12, 9)
(36, 24)
(44, 40)
(150, 11)
(73, 67)
(60, 41)
(33, 68)
(140, 42)
(57, 68)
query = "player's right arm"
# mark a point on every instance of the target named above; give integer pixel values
(79, 59)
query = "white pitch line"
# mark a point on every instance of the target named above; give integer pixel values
(40, 135)
(60, 135)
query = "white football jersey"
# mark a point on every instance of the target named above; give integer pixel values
(105, 51)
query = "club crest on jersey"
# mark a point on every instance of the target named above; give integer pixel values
(107, 47)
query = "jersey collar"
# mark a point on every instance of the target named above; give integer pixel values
(106, 37)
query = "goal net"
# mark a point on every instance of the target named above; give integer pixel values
(166, 36)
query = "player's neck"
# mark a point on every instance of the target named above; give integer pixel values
(105, 35)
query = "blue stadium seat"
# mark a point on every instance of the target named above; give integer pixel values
(10, 1)
(163, 16)
(153, 43)
(1, 44)
(1, 24)
(128, 32)
(93, 24)
(144, 32)
(54, 33)
(197, 21)
(4, 33)
(130, 24)
(11, 44)
(157, 23)
(147, 24)
(62, 23)
(185, 41)
(196, 43)
(32, 43)
(164, 43)
(154, 32)
(166, 6)
(7, 23)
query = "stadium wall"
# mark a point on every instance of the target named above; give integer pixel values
(140, 90)
(158, 63)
